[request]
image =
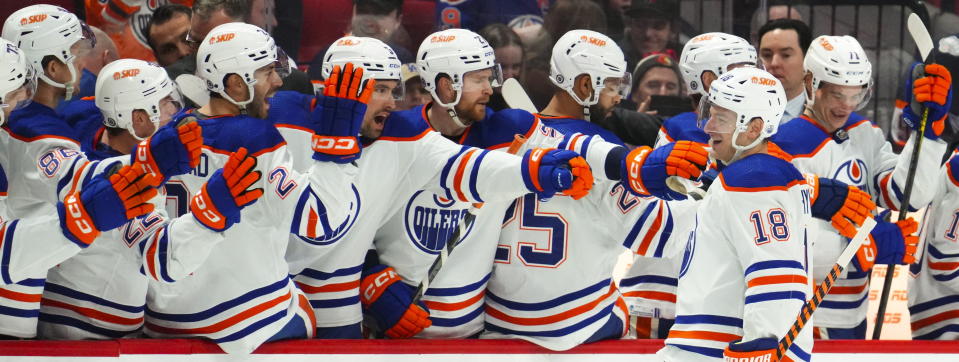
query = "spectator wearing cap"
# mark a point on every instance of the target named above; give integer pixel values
(782, 48)
(657, 74)
(651, 28)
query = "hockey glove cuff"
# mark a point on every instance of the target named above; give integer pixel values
(389, 302)
(762, 349)
(218, 204)
(172, 150)
(847, 207)
(105, 204)
(340, 115)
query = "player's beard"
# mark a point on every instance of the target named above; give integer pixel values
(470, 114)
(597, 113)
(259, 107)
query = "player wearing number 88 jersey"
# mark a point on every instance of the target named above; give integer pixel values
(748, 257)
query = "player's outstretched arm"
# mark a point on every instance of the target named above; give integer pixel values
(175, 249)
(644, 170)
(173, 150)
(926, 87)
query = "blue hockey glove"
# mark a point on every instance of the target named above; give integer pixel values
(931, 86)
(548, 171)
(889, 243)
(172, 150)
(339, 115)
(844, 205)
(645, 170)
(390, 302)
(106, 204)
(218, 204)
(762, 349)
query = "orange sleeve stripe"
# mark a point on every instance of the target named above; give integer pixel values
(293, 126)
(646, 294)
(777, 279)
(76, 178)
(151, 256)
(458, 177)
(94, 314)
(648, 238)
(883, 187)
(901, 104)
(705, 335)
(757, 189)
(528, 321)
(330, 288)
(226, 323)
(449, 307)
(414, 138)
(20, 297)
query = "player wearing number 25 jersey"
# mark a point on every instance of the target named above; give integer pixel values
(745, 270)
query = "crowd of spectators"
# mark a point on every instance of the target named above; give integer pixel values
(651, 34)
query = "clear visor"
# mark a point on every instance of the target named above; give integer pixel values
(282, 64)
(758, 64)
(618, 85)
(389, 88)
(85, 45)
(22, 96)
(847, 97)
(478, 80)
(712, 118)
(169, 106)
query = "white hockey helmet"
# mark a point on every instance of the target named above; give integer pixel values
(453, 53)
(17, 82)
(838, 60)
(241, 49)
(715, 52)
(47, 30)
(375, 57)
(588, 52)
(127, 85)
(749, 93)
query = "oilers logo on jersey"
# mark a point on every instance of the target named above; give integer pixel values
(688, 252)
(310, 205)
(852, 172)
(430, 220)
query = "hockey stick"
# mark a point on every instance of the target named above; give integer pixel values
(923, 41)
(810, 306)
(516, 97)
(455, 239)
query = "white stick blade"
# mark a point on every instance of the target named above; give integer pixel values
(920, 35)
(516, 97)
(856, 241)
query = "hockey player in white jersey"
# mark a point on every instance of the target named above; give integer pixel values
(404, 155)
(242, 295)
(32, 245)
(100, 293)
(744, 274)
(45, 161)
(552, 283)
(831, 140)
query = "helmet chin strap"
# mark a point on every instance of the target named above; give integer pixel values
(451, 107)
(593, 99)
(68, 86)
(741, 149)
(241, 105)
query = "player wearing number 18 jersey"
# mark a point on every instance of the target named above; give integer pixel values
(744, 274)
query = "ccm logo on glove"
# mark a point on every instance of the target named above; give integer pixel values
(374, 289)
(335, 145)
(634, 171)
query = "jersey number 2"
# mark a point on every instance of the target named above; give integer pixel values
(777, 226)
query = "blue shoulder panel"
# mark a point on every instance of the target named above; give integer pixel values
(3, 181)
(499, 127)
(760, 171)
(682, 127)
(290, 107)
(800, 137)
(229, 133)
(38, 121)
(568, 126)
(405, 125)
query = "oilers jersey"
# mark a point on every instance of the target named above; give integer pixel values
(552, 281)
(101, 292)
(745, 271)
(242, 294)
(408, 157)
(859, 155)
(934, 282)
